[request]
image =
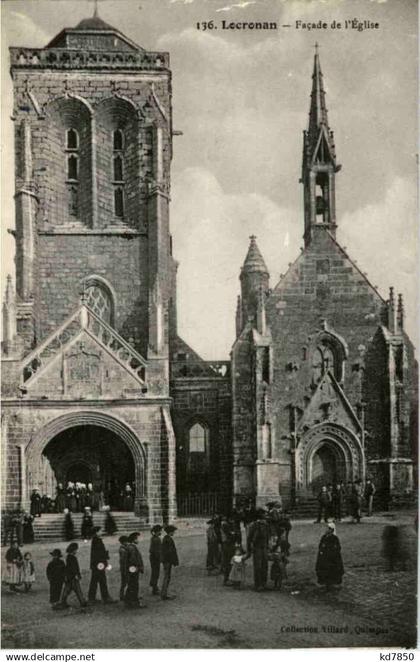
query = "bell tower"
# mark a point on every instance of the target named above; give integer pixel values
(319, 162)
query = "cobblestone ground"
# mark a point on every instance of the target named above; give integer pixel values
(373, 608)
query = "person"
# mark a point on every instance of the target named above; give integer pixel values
(110, 524)
(134, 566)
(369, 493)
(14, 564)
(71, 501)
(285, 526)
(236, 517)
(36, 503)
(323, 505)
(169, 557)
(99, 557)
(28, 529)
(336, 502)
(237, 563)
(258, 538)
(28, 571)
(329, 564)
(56, 572)
(60, 498)
(249, 516)
(357, 501)
(72, 577)
(45, 503)
(68, 525)
(128, 497)
(228, 547)
(154, 557)
(278, 566)
(122, 553)
(273, 520)
(213, 555)
(87, 524)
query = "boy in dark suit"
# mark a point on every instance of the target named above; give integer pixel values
(98, 562)
(73, 577)
(154, 556)
(56, 572)
(169, 558)
(134, 568)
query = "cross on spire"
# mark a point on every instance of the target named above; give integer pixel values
(316, 46)
(95, 8)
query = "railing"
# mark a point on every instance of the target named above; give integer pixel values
(61, 58)
(206, 503)
(84, 318)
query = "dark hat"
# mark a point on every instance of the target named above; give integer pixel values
(72, 547)
(133, 536)
(156, 528)
(170, 528)
(95, 529)
(123, 539)
(56, 552)
(270, 504)
(211, 521)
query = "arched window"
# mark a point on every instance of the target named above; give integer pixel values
(73, 167)
(73, 201)
(118, 140)
(119, 202)
(118, 169)
(72, 139)
(99, 299)
(197, 439)
(327, 357)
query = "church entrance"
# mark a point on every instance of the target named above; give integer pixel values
(92, 454)
(328, 467)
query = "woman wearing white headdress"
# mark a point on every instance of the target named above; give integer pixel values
(329, 564)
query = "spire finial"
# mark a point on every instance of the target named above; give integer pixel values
(316, 46)
(95, 8)
(252, 237)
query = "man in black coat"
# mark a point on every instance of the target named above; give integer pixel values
(98, 562)
(135, 566)
(169, 558)
(56, 573)
(154, 556)
(258, 539)
(36, 503)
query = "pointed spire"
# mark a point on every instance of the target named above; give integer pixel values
(318, 111)
(95, 9)
(239, 317)
(392, 313)
(400, 312)
(9, 297)
(254, 261)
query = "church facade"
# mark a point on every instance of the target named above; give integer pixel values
(323, 373)
(97, 384)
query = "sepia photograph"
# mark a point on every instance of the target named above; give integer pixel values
(209, 411)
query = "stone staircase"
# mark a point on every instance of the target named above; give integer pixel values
(51, 526)
(305, 508)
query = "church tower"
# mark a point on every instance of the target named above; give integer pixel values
(319, 164)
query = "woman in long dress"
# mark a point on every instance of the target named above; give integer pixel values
(14, 563)
(329, 564)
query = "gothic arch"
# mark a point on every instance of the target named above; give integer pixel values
(94, 280)
(343, 443)
(44, 435)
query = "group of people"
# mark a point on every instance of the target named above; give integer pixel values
(64, 576)
(336, 501)
(18, 526)
(267, 541)
(76, 496)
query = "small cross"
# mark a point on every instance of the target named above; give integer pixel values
(252, 237)
(316, 45)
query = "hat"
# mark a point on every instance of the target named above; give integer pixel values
(123, 539)
(133, 536)
(170, 528)
(87, 507)
(211, 521)
(331, 525)
(95, 529)
(72, 547)
(156, 528)
(56, 552)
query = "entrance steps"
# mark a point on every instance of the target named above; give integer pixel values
(50, 526)
(305, 508)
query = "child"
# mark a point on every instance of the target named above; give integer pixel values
(87, 524)
(110, 525)
(28, 571)
(123, 540)
(169, 558)
(278, 566)
(14, 567)
(237, 573)
(56, 571)
(68, 525)
(73, 577)
(212, 547)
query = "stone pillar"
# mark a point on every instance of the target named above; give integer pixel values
(9, 318)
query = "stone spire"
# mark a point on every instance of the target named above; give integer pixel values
(254, 278)
(392, 312)
(254, 261)
(400, 313)
(319, 162)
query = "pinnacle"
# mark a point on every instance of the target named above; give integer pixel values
(254, 261)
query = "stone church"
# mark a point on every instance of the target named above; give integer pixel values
(97, 384)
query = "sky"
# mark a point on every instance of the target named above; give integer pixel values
(241, 100)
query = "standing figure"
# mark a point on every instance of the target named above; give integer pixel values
(60, 499)
(14, 564)
(285, 526)
(258, 539)
(82, 497)
(329, 564)
(110, 525)
(369, 493)
(122, 553)
(135, 566)
(89, 497)
(71, 497)
(56, 572)
(68, 525)
(278, 566)
(87, 524)
(357, 501)
(36, 503)
(236, 521)
(169, 559)
(28, 571)
(72, 577)
(324, 504)
(337, 502)
(28, 529)
(98, 563)
(228, 547)
(249, 516)
(128, 497)
(213, 555)
(237, 573)
(154, 556)
(18, 523)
